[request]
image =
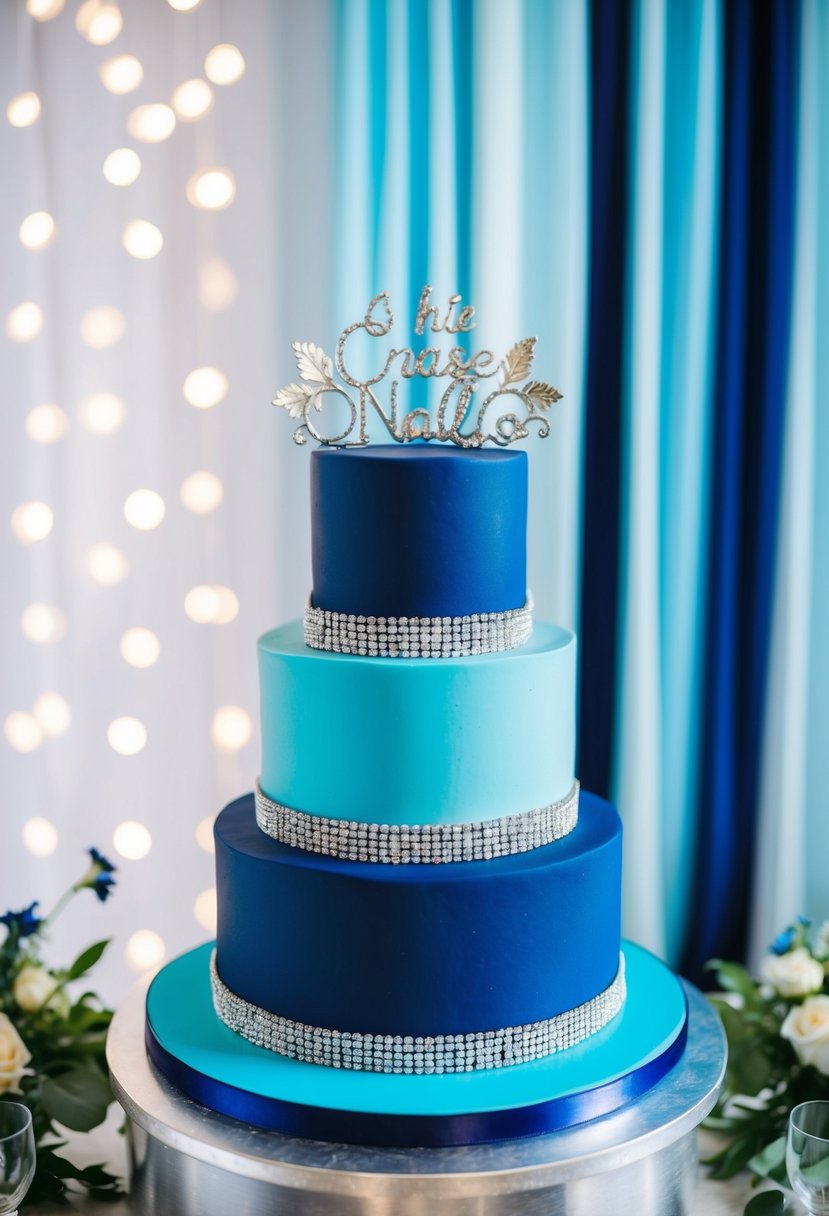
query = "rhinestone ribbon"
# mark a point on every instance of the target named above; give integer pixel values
(418, 637)
(438, 1054)
(427, 843)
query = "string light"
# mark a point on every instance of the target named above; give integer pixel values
(122, 167)
(224, 64)
(205, 909)
(142, 239)
(205, 387)
(107, 564)
(231, 728)
(53, 714)
(37, 230)
(44, 10)
(127, 736)
(145, 950)
(152, 124)
(132, 840)
(211, 605)
(100, 23)
(121, 74)
(32, 521)
(102, 327)
(204, 834)
(46, 423)
(192, 99)
(40, 836)
(43, 623)
(102, 413)
(144, 509)
(140, 647)
(24, 322)
(202, 492)
(23, 110)
(211, 189)
(23, 731)
(217, 285)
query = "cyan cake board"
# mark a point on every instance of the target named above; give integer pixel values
(189, 1160)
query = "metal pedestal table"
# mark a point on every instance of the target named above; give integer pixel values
(641, 1161)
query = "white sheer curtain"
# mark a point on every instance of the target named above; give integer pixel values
(229, 290)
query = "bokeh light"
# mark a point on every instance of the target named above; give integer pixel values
(132, 840)
(32, 521)
(140, 647)
(145, 950)
(231, 728)
(212, 189)
(23, 731)
(107, 564)
(127, 736)
(24, 322)
(152, 124)
(43, 623)
(192, 99)
(102, 413)
(204, 834)
(204, 910)
(37, 230)
(142, 239)
(144, 509)
(205, 387)
(46, 423)
(102, 327)
(218, 287)
(211, 605)
(24, 109)
(184, 6)
(121, 73)
(44, 10)
(122, 167)
(224, 64)
(53, 714)
(202, 492)
(40, 836)
(99, 22)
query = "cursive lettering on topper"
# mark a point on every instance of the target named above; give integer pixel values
(305, 399)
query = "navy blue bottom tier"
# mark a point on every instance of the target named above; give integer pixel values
(418, 950)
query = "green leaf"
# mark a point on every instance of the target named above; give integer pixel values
(733, 978)
(749, 1068)
(735, 1158)
(78, 1099)
(769, 1158)
(87, 960)
(767, 1203)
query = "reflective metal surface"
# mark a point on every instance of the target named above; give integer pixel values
(189, 1161)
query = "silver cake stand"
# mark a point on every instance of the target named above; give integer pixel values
(641, 1161)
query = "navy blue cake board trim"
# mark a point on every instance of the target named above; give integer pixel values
(219, 1069)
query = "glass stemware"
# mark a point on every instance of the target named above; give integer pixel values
(807, 1156)
(17, 1155)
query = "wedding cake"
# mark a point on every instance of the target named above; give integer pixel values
(418, 936)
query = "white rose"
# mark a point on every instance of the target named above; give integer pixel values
(807, 1029)
(793, 974)
(14, 1056)
(33, 987)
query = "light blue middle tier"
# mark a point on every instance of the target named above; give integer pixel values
(421, 740)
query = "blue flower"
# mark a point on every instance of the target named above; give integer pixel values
(25, 922)
(804, 921)
(783, 942)
(98, 877)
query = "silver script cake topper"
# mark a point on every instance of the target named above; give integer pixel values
(465, 373)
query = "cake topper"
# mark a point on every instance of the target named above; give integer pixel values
(465, 372)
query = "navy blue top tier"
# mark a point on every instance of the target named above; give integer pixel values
(418, 530)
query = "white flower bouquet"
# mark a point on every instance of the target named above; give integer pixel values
(778, 1053)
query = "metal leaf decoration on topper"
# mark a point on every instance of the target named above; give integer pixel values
(465, 373)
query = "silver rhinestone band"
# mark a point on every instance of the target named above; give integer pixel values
(418, 843)
(418, 637)
(443, 1053)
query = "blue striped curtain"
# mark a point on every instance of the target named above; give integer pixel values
(644, 184)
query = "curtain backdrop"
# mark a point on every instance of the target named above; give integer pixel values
(644, 185)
